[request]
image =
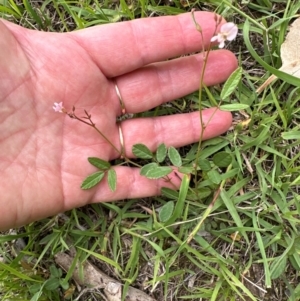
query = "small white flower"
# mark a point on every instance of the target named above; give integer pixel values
(58, 107)
(227, 32)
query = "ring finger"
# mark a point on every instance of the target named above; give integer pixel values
(175, 130)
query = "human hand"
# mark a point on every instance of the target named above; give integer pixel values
(43, 153)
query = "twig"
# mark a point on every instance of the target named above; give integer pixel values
(94, 278)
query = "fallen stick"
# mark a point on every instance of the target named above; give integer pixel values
(94, 278)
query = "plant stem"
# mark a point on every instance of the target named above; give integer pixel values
(93, 125)
(201, 84)
(88, 121)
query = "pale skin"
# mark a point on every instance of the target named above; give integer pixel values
(43, 154)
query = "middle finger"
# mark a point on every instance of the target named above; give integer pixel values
(158, 83)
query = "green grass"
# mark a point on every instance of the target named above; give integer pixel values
(233, 235)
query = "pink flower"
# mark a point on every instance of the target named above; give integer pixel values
(227, 32)
(58, 107)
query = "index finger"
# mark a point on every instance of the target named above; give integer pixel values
(123, 47)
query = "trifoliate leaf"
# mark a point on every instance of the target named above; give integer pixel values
(51, 284)
(92, 180)
(174, 156)
(99, 163)
(166, 211)
(55, 272)
(204, 164)
(147, 167)
(158, 172)
(142, 151)
(222, 159)
(161, 153)
(112, 179)
(214, 176)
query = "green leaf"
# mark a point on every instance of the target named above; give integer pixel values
(231, 83)
(147, 167)
(19, 275)
(33, 13)
(169, 193)
(234, 107)
(9, 11)
(161, 153)
(36, 296)
(174, 156)
(204, 192)
(64, 284)
(16, 8)
(99, 163)
(102, 258)
(179, 208)
(92, 180)
(186, 169)
(55, 272)
(52, 284)
(214, 176)
(158, 172)
(133, 260)
(204, 164)
(291, 135)
(166, 211)
(142, 151)
(222, 159)
(278, 267)
(112, 179)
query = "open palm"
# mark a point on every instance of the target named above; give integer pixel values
(43, 154)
